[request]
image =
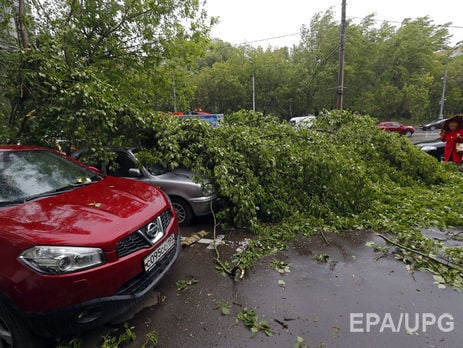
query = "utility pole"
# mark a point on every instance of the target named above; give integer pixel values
(174, 91)
(444, 85)
(253, 80)
(253, 90)
(175, 97)
(455, 52)
(340, 89)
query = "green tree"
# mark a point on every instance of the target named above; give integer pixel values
(409, 58)
(96, 69)
(316, 58)
(223, 79)
(272, 84)
(454, 91)
(390, 72)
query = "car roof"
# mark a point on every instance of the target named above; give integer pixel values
(302, 117)
(22, 147)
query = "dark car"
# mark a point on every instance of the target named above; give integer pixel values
(432, 126)
(435, 149)
(77, 248)
(188, 197)
(397, 128)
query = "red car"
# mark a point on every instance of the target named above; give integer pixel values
(397, 127)
(77, 248)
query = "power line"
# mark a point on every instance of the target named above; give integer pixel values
(399, 22)
(267, 39)
(350, 17)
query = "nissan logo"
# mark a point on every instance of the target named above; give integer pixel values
(153, 228)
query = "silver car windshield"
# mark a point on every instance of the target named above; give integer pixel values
(153, 169)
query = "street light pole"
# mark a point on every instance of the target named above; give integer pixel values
(174, 94)
(253, 90)
(253, 80)
(452, 54)
(340, 89)
(444, 85)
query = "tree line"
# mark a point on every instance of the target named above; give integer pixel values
(95, 72)
(390, 72)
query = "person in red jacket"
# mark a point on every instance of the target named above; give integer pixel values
(451, 136)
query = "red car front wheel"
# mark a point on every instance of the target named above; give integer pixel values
(13, 331)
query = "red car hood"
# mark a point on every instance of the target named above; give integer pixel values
(98, 214)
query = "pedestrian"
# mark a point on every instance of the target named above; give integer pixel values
(452, 135)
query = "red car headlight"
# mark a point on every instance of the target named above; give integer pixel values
(60, 260)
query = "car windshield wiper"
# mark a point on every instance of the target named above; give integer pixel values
(79, 183)
(12, 202)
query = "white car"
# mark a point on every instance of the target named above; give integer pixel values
(303, 121)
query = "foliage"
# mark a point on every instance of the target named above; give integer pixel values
(251, 320)
(152, 339)
(299, 343)
(281, 182)
(74, 343)
(323, 257)
(390, 72)
(224, 307)
(185, 284)
(124, 338)
(419, 252)
(268, 171)
(281, 267)
(95, 71)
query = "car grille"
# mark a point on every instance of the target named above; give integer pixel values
(145, 279)
(138, 239)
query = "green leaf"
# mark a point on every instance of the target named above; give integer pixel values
(185, 284)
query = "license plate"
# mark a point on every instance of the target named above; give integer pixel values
(150, 261)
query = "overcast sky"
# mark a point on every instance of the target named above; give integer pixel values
(250, 20)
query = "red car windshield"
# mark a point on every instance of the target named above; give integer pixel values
(28, 174)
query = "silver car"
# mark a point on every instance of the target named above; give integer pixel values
(188, 197)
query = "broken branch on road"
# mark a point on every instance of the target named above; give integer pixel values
(432, 258)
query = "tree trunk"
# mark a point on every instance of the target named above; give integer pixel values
(23, 42)
(22, 29)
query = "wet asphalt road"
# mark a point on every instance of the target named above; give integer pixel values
(315, 302)
(424, 136)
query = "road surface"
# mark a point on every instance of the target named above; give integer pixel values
(353, 300)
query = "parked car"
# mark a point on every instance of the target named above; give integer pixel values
(303, 121)
(77, 248)
(433, 125)
(435, 149)
(188, 197)
(397, 127)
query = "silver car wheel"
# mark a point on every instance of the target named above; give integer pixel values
(183, 209)
(180, 212)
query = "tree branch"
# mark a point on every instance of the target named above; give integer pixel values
(448, 264)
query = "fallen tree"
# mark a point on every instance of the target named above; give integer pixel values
(280, 181)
